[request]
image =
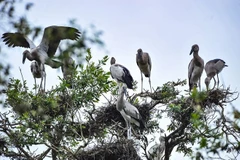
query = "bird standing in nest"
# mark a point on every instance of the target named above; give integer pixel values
(195, 68)
(129, 112)
(212, 68)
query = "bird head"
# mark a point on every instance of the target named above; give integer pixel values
(195, 48)
(123, 89)
(207, 82)
(113, 61)
(139, 50)
(25, 53)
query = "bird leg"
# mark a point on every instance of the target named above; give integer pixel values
(129, 132)
(214, 82)
(141, 82)
(217, 81)
(35, 85)
(199, 84)
(40, 87)
(44, 76)
(150, 84)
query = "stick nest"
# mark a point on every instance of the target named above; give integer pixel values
(119, 150)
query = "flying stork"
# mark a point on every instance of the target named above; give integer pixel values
(44, 52)
(195, 68)
(121, 74)
(145, 65)
(38, 72)
(129, 112)
(212, 68)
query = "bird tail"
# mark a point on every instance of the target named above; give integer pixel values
(129, 82)
(142, 124)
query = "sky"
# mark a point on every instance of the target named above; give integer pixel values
(165, 29)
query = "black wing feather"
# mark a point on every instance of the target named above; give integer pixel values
(15, 40)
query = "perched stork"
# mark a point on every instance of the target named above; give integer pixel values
(145, 65)
(212, 68)
(129, 112)
(156, 152)
(121, 74)
(44, 52)
(195, 68)
(68, 67)
(38, 72)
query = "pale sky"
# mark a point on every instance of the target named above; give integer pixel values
(165, 29)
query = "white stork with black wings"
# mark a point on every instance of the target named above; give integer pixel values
(121, 73)
(44, 52)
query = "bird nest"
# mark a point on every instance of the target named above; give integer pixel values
(107, 117)
(119, 150)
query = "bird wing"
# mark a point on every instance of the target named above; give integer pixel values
(17, 40)
(190, 70)
(54, 34)
(149, 62)
(131, 110)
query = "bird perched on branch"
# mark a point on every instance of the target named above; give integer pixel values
(121, 74)
(38, 72)
(68, 68)
(212, 68)
(129, 112)
(145, 65)
(156, 152)
(195, 68)
(44, 52)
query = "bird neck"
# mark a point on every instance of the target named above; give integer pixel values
(139, 57)
(29, 56)
(120, 101)
(195, 54)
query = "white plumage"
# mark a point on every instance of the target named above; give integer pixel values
(121, 74)
(195, 68)
(212, 68)
(129, 112)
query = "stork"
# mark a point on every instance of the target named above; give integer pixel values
(156, 152)
(38, 72)
(212, 68)
(145, 65)
(68, 67)
(129, 112)
(121, 74)
(195, 68)
(44, 52)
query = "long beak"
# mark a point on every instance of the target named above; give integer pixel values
(191, 52)
(24, 57)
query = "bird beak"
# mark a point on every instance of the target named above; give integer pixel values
(24, 57)
(191, 51)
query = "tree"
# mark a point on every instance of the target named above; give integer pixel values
(71, 124)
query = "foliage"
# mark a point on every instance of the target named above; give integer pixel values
(69, 122)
